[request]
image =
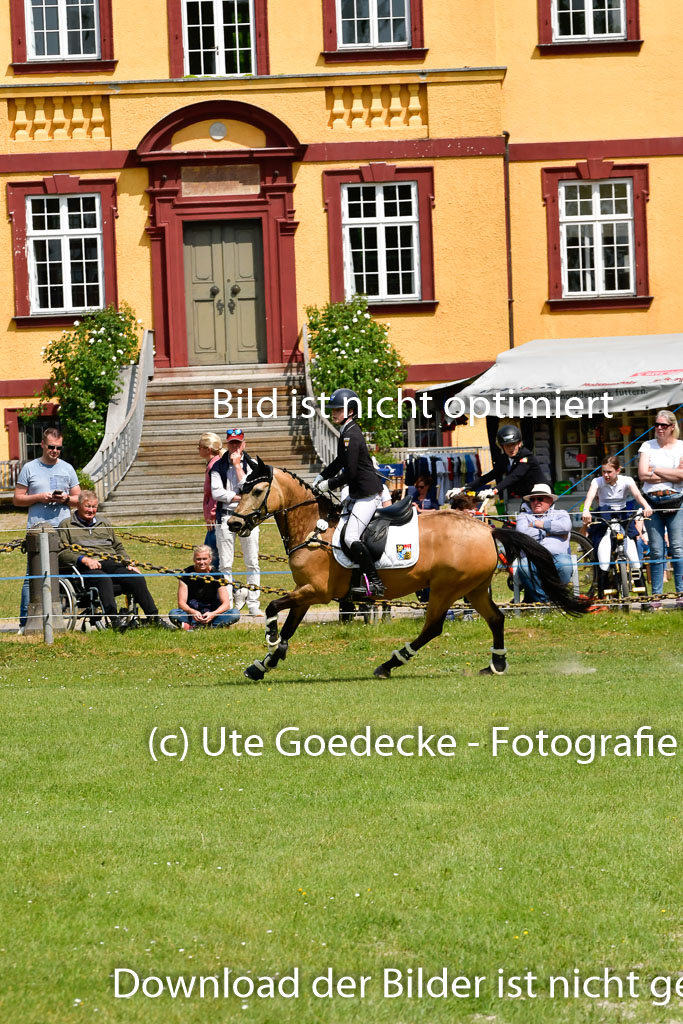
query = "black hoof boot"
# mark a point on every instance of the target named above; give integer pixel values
(497, 666)
(383, 671)
(255, 671)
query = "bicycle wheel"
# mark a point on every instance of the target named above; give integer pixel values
(586, 564)
(67, 599)
(624, 580)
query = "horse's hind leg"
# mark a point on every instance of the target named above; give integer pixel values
(480, 599)
(439, 603)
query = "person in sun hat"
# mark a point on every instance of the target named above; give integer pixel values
(549, 526)
(227, 479)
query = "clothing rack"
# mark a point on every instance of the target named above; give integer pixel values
(455, 465)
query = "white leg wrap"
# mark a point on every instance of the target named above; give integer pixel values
(400, 657)
(410, 650)
(498, 650)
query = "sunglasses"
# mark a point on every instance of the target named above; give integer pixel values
(663, 426)
(236, 432)
(54, 447)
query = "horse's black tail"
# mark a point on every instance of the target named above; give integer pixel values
(516, 543)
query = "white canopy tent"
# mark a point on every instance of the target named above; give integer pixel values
(641, 372)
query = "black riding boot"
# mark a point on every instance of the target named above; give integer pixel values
(360, 554)
(603, 576)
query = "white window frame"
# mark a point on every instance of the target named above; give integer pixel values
(597, 222)
(64, 234)
(590, 35)
(373, 17)
(220, 71)
(64, 54)
(381, 221)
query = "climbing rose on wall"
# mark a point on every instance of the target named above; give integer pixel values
(351, 350)
(86, 369)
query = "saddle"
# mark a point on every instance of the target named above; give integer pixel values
(391, 537)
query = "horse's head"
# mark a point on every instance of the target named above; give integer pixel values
(253, 506)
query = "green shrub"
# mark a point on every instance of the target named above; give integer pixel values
(86, 374)
(86, 482)
(351, 350)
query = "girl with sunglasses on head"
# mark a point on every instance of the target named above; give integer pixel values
(210, 448)
(661, 471)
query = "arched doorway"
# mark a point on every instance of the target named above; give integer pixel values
(222, 226)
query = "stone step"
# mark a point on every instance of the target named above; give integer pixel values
(167, 476)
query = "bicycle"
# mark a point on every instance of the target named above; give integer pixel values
(621, 578)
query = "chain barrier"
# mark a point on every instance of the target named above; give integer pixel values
(165, 570)
(12, 545)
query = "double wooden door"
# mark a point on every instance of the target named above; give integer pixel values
(224, 292)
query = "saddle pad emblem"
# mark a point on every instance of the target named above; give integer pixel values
(404, 552)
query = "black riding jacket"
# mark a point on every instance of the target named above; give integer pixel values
(353, 465)
(518, 475)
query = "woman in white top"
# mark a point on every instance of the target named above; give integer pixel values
(613, 490)
(661, 472)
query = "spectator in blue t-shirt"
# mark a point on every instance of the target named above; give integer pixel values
(48, 488)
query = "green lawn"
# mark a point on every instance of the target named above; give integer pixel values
(263, 864)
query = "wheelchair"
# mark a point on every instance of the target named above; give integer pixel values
(81, 605)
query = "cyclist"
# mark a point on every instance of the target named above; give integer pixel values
(515, 468)
(613, 491)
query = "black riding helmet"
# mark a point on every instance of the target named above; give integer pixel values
(345, 398)
(508, 434)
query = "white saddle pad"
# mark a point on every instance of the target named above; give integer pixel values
(401, 550)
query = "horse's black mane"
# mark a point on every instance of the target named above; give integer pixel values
(297, 478)
(329, 508)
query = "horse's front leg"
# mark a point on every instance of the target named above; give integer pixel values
(298, 601)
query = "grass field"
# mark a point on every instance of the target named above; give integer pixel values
(264, 864)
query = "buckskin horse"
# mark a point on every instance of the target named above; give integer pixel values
(457, 558)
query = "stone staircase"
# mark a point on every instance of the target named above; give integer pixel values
(167, 476)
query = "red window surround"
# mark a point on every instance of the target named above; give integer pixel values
(382, 174)
(547, 45)
(22, 66)
(333, 54)
(596, 170)
(12, 416)
(58, 184)
(174, 17)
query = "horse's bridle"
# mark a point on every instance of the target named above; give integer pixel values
(259, 515)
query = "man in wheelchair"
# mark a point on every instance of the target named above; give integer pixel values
(85, 530)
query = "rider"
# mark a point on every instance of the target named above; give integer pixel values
(353, 466)
(515, 468)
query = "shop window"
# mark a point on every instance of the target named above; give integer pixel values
(61, 35)
(373, 30)
(210, 38)
(380, 236)
(573, 24)
(597, 236)
(63, 233)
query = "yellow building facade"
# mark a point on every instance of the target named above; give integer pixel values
(220, 166)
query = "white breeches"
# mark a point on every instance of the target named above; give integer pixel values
(362, 511)
(605, 551)
(225, 542)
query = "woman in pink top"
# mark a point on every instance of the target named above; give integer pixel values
(210, 449)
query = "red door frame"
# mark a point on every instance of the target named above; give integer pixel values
(170, 210)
